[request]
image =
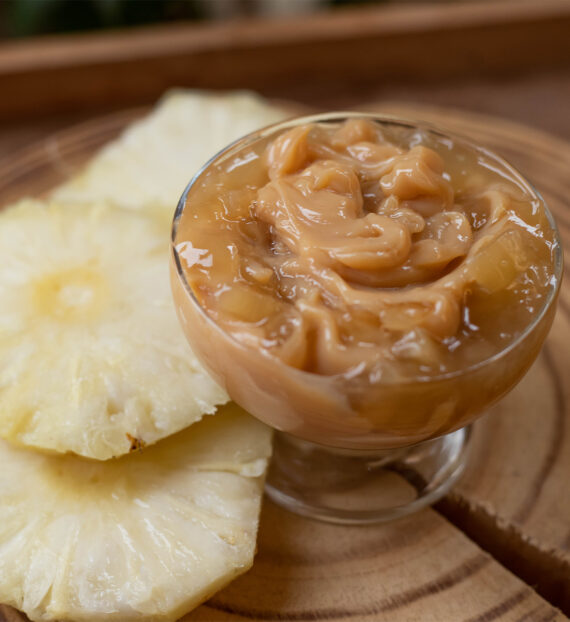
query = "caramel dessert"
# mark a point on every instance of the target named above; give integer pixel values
(363, 284)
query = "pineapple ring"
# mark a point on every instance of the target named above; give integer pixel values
(92, 358)
(152, 161)
(150, 535)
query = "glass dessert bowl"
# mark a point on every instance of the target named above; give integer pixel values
(367, 286)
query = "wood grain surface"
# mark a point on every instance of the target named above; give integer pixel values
(508, 516)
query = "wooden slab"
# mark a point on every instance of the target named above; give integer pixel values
(418, 568)
(513, 501)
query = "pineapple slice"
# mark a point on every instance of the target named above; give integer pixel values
(92, 357)
(150, 535)
(151, 163)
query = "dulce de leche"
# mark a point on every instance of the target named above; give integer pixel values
(362, 283)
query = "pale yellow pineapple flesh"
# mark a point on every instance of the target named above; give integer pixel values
(150, 535)
(93, 362)
(92, 358)
(153, 161)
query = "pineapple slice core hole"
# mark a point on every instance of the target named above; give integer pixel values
(71, 295)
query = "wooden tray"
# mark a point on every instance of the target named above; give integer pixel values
(348, 50)
(509, 515)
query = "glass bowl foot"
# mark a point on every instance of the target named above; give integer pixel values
(357, 487)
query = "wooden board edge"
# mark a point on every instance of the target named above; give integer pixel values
(543, 569)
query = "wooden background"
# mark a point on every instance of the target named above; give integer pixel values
(510, 58)
(498, 547)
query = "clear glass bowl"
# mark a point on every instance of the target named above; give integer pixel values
(405, 443)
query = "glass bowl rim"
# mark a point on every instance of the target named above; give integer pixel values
(264, 132)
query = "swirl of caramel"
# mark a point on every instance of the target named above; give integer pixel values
(345, 251)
